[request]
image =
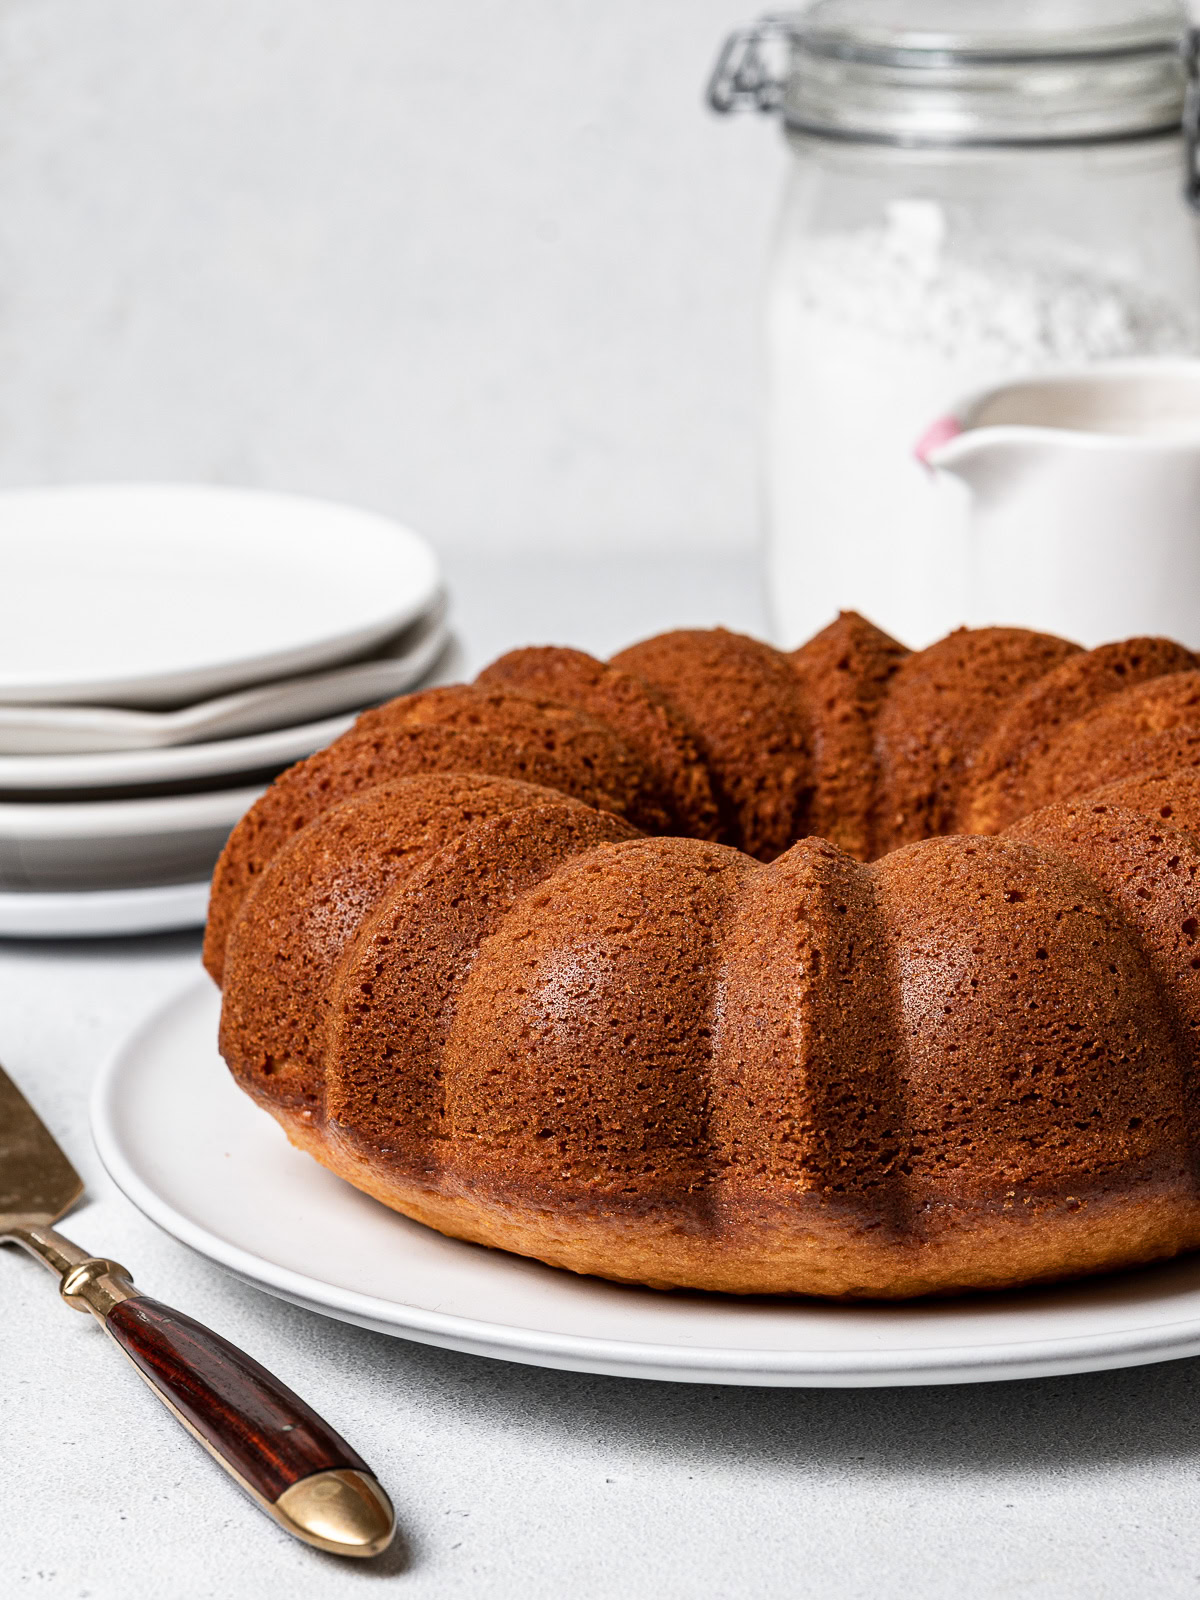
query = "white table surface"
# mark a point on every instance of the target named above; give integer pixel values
(510, 1481)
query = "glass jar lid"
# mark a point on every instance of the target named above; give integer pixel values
(965, 72)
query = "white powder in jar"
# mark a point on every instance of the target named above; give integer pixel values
(872, 335)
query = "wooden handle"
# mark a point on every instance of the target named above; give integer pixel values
(293, 1464)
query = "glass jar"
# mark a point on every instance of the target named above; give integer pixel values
(968, 200)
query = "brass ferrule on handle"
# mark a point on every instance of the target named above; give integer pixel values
(97, 1285)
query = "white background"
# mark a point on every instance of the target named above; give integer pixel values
(490, 266)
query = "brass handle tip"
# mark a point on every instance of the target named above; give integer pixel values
(343, 1511)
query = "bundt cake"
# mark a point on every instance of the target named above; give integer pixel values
(849, 972)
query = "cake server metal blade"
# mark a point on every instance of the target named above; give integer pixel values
(37, 1182)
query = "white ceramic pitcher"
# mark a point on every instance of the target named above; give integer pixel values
(1085, 500)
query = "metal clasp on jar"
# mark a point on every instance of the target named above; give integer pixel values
(752, 69)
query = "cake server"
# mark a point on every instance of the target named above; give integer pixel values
(283, 1455)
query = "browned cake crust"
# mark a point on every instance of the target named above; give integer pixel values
(761, 765)
(972, 1062)
(1173, 797)
(810, 1249)
(316, 894)
(1150, 870)
(1028, 727)
(940, 707)
(401, 992)
(603, 767)
(650, 728)
(1150, 728)
(845, 671)
(504, 735)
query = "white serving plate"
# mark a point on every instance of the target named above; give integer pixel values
(51, 746)
(196, 1155)
(102, 913)
(117, 844)
(160, 594)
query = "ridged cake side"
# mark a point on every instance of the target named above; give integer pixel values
(462, 729)
(1026, 729)
(745, 708)
(649, 726)
(846, 672)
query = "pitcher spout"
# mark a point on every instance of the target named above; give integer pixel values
(984, 458)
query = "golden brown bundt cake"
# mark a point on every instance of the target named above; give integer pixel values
(646, 724)
(845, 671)
(745, 708)
(760, 1065)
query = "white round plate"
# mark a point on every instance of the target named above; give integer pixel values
(200, 1159)
(63, 747)
(117, 844)
(153, 594)
(102, 913)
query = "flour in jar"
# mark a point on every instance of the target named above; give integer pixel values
(873, 334)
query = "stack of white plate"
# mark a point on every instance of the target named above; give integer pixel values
(165, 650)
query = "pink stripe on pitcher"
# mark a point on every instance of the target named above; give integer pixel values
(936, 434)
